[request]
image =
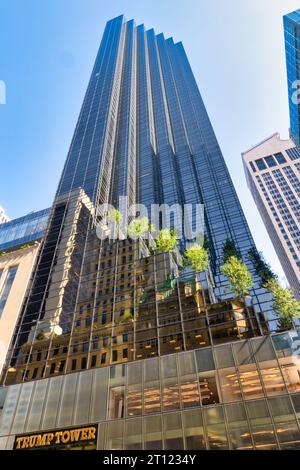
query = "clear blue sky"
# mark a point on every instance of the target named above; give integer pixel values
(47, 50)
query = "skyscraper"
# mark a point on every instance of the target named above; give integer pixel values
(272, 171)
(120, 346)
(292, 46)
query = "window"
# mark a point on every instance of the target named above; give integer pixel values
(280, 158)
(52, 369)
(93, 361)
(6, 287)
(114, 355)
(260, 164)
(173, 431)
(270, 161)
(193, 429)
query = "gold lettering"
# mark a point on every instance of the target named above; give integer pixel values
(19, 441)
(92, 433)
(49, 438)
(75, 433)
(84, 434)
(25, 442)
(32, 441)
(65, 438)
(58, 436)
(40, 440)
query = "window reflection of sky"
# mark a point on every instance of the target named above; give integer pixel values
(23, 230)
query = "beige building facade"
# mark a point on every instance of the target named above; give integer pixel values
(273, 175)
(15, 271)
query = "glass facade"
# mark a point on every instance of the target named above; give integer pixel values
(23, 230)
(162, 357)
(292, 47)
(244, 395)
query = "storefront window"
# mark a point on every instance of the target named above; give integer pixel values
(173, 431)
(193, 430)
(99, 394)
(250, 381)
(134, 389)
(67, 400)
(272, 378)
(238, 429)
(81, 414)
(152, 392)
(170, 385)
(52, 402)
(153, 432)
(261, 425)
(284, 420)
(216, 432)
(133, 434)
(207, 377)
(114, 439)
(189, 389)
(229, 385)
(37, 403)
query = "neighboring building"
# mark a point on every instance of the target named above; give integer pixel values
(273, 175)
(292, 47)
(19, 244)
(3, 216)
(23, 230)
(124, 341)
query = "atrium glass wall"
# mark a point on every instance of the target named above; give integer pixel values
(244, 395)
(23, 230)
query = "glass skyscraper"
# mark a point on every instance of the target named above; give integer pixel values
(121, 345)
(292, 48)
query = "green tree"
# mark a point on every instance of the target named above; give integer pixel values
(238, 276)
(229, 249)
(166, 241)
(262, 268)
(197, 257)
(138, 227)
(127, 316)
(115, 215)
(285, 305)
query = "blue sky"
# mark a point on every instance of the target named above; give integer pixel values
(47, 50)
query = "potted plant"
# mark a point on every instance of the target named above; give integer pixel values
(284, 304)
(166, 241)
(197, 257)
(261, 267)
(238, 276)
(138, 228)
